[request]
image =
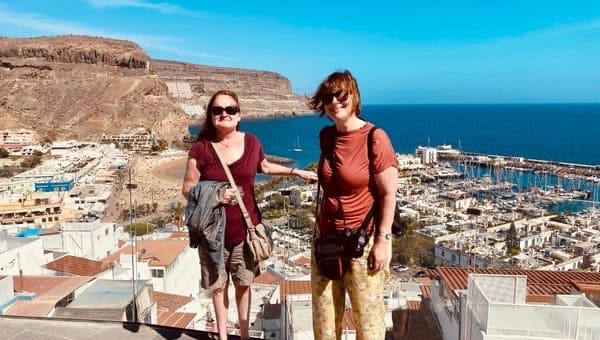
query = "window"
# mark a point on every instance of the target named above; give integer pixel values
(157, 273)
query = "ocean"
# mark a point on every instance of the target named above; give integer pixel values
(556, 132)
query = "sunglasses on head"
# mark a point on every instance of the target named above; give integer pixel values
(218, 110)
(341, 96)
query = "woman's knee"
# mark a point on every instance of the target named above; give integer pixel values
(220, 290)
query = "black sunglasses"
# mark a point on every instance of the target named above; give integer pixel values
(341, 96)
(218, 110)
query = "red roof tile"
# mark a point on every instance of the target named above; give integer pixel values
(348, 320)
(170, 302)
(78, 266)
(539, 282)
(179, 320)
(294, 288)
(159, 253)
(48, 291)
(302, 261)
(267, 278)
(179, 235)
(167, 306)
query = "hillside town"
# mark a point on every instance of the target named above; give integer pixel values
(475, 236)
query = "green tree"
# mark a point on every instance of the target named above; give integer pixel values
(31, 161)
(139, 228)
(175, 212)
(162, 144)
(411, 248)
(511, 240)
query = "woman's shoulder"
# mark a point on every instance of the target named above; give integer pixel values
(378, 132)
(327, 131)
(251, 138)
(199, 147)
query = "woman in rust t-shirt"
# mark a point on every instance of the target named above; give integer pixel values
(245, 157)
(354, 177)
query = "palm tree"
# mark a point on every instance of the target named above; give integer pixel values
(175, 212)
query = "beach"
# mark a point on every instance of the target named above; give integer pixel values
(157, 180)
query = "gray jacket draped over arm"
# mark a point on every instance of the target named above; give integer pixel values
(205, 218)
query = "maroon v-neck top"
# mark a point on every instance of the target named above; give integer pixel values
(243, 170)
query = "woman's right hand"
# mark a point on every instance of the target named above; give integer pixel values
(229, 196)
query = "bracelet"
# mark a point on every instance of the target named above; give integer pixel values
(292, 171)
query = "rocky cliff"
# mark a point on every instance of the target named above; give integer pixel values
(81, 87)
(261, 93)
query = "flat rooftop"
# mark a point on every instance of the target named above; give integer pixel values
(18, 328)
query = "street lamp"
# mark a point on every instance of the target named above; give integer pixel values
(130, 186)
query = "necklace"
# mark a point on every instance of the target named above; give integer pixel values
(226, 145)
(227, 142)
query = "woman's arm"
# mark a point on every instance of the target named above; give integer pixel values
(380, 255)
(269, 168)
(387, 184)
(191, 177)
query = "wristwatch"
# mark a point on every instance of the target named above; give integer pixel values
(387, 236)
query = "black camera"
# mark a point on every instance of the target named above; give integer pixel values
(356, 240)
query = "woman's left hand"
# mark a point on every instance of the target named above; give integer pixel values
(306, 175)
(379, 257)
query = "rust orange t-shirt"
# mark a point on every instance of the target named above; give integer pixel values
(352, 175)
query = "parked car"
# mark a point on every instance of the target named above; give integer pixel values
(401, 269)
(420, 273)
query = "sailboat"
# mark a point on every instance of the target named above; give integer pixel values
(296, 147)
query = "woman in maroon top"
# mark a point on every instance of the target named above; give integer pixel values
(245, 157)
(352, 184)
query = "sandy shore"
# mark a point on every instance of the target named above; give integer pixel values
(158, 180)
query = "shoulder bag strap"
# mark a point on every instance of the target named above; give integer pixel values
(372, 184)
(245, 213)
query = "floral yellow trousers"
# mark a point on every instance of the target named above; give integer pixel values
(365, 289)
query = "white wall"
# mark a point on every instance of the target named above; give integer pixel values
(6, 290)
(24, 254)
(448, 323)
(443, 254)
(90, 240)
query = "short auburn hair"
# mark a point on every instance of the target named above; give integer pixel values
(337, 81)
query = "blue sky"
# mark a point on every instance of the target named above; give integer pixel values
(401, 51)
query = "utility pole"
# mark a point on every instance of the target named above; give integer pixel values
(132, 240)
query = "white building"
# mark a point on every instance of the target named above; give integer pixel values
(60, 148)
(170, 265)
(21, 137)
(456, 257)
(515, 304)
(21, 255)
(92, 240)
(140, 139)
(428, 155)
(408, 162)
(29, 150)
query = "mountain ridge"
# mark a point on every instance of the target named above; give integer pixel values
(81, 87)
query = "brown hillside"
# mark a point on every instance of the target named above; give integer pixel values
(262, 93)
(81, 87)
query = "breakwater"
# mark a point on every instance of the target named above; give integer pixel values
(498, 163)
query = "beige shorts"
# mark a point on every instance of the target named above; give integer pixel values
(236, 263)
